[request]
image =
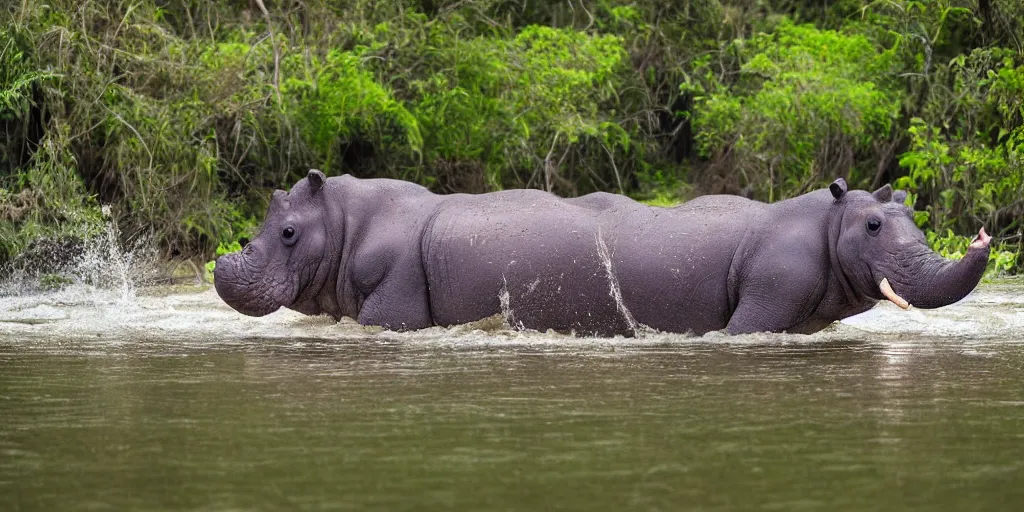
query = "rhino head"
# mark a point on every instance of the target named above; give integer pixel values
(285, 264)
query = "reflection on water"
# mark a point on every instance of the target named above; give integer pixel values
(174, 401)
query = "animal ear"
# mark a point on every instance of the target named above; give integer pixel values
(838, 188)
(316, 179)
(884, 194)
(899, 196)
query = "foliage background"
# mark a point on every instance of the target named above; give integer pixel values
(183, 114)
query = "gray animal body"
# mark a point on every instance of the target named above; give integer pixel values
(393, 254)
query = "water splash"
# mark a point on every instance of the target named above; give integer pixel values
(106, 268)
(197, 317)
(613, 288)
(505, 300)
(106, 264)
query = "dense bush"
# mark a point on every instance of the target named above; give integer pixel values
(807, 105)
(183, 115)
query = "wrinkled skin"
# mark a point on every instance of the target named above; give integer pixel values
(394, 254)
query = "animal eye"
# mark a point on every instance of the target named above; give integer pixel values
(874, 225)
(288, 232)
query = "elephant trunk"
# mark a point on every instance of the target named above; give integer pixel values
(935, 281)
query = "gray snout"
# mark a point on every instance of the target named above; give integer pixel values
(223, 270)
(241, 288)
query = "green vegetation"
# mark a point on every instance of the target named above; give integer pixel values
(182, 116)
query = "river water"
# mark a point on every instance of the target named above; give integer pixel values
(167, 399)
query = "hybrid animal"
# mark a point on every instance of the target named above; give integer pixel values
(394, 254)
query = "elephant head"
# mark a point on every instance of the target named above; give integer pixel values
(883, 255)
(281, 266)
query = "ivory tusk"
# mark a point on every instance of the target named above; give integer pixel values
(891, 295)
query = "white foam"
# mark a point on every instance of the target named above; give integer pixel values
(89, 313)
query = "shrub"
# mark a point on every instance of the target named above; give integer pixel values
(807, 107)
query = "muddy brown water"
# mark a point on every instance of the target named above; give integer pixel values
(166, 399)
